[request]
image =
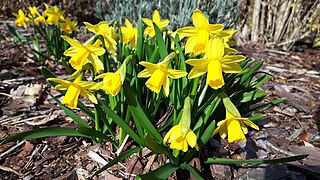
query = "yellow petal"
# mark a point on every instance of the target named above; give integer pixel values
(89, 95)
(231, 68)
(71, 97)
(201, 41)
(215, 28)
(61, 81)
(215, 49)
(214, 77)
(156, 17)
(166, 86)
(72, 42)
(191, 138)
(147, 21)
(164, 23)
(197, 71)
(199, 19)
(232, 59)
(190, 44)
(176, 74)
(96, 50)
(247, 122)
(198, 62)
(187, 31)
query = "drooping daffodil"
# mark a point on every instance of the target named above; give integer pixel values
(129, 34)
(106, 31)
(74, 90)
(112, 81)
(181, 136)
(199, 34)
(22, 19)
(233, 126)
(81, 54)
(159, 74)
(214, 63)
(157, 20)
(69, 26)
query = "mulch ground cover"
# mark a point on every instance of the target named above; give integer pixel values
(289, 128)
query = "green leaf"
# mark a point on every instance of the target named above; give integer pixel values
(156, 147)
(162, 46)
(257, 117)
(93, 133)
(15, 34)
(139, 115)
(252, 95)
(43, 132)
(192, 170)
(162, 172)
(117, 159)
(140, 40)
(121, 123)
(70, 113)
(255, 161)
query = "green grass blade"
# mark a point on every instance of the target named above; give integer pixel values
(258, 161)
(162, 172)
(140, 40)
(43, 132)
(93, 133)
(117, 159)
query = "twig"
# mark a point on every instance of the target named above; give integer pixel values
(278, 149)
(11, 170)
(122, 145)
(12, 149)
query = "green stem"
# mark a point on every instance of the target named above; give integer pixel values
(194, 89)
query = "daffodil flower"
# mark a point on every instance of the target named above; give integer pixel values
(74, 90)
(155, 19)
(112, 81)
(33, 11)
(106, 31)
(234, 126)
(53, 14)
(181, 136)
(215, 63)
(199, 34)
(22, 19)
(159, 74)
(82, 54)
(129, 34)
(69, 26)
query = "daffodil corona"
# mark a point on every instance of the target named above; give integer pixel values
(159, 74)
(215, 62)
(74, 90)
(181, 136)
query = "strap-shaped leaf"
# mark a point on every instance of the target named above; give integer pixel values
(118, 159)
(162, 172)
(94, 133)
(162, 46)
(255, 161)
(192, 170)
(139, 115)
(43, 132)
(140, 40)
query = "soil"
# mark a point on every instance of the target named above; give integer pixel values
(289, 128)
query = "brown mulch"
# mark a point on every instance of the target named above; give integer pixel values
(289, 128)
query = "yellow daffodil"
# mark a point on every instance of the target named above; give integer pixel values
(112, 81)
(69, 26)
(129, 34)
(33, 11)
(74, 90)
(82, 54)
(53, 14)
(107, 32)
(215, 62)
(155, 19)
(159, 74)
(39, 19)
(21, 20)
(234, 126)
(200, 33)
(180, 136)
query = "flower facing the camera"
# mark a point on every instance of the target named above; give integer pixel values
(74, 90)
(129, 34)
(69, 26)
(22, 19)
(181, 136)
(215, 63)
(159, 74)
(157, 20)
(82, 54)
